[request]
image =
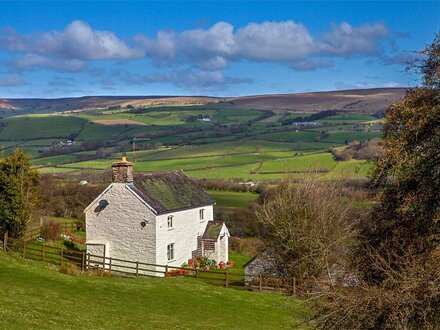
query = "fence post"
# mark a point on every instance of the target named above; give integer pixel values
(137, 268)
(226, 278)
(83, 260)
(294, 286)
(260, 282)
(110, 265)
(88, 261)
(197, 273)
(43, 252)
(5, 241)
(166, 270)
(62, 257)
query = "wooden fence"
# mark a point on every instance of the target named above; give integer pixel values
(220, 277)
(33, 233)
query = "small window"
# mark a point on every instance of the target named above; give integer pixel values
(170, 251)
(202, 214)
(170, 221)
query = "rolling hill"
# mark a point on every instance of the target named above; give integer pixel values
(359, 100)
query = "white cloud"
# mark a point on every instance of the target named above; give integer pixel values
(274, 41)
(196, 56)
(65, 50)
(31, 61)
(80, 41)
(287, 43)
(346, 40)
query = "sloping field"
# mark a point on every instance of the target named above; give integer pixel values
(94, 102)
(36, 296)
(362, 100)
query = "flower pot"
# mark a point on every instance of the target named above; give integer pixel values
(230, 263)
(221, 265)
(181, 272)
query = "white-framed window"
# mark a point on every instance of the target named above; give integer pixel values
(170, 251)
(170, 223)
(202, 214)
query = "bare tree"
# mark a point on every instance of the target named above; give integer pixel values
(309, 227)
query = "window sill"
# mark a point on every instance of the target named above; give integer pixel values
(170, 229)
(169, 261)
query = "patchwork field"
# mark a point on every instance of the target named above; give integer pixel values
(207, 141)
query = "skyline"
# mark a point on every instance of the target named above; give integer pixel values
(65, 49)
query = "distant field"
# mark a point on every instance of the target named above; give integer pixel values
(35, 127)
(232, 198)
(232, 143)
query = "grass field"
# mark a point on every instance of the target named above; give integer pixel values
(242, 144)
(232, 198)
(35, 295)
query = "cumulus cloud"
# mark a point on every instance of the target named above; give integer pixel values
(346, 40)
(31, 61)
(288, 43)
(196, 57)
(77, 41)
(274, 41)
(12, 81)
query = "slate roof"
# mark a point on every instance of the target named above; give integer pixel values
(170, 191)
(213, 229)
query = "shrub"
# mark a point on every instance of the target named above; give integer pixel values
(51, 231)
(71, 245)
(70, 269)
(249, 246)
(309, 227)
(80, 224)
(409, 299)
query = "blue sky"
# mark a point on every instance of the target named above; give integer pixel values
(58, 49)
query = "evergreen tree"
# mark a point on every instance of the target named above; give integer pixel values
(406, 179)
(18, 193)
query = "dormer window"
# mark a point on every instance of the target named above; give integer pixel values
(170, 221)
(202, 214)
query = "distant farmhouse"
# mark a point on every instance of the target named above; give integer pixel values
(161, 218)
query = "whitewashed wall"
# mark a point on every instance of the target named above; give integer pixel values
(187, 227)
(119, 225)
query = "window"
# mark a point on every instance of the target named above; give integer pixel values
(170, 251)
(202, 214)
(170, 221)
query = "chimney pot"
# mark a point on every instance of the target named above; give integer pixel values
(122, 171)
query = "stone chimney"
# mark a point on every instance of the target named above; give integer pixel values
(122, 172)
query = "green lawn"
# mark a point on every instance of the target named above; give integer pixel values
(35, 295)
(232, 198)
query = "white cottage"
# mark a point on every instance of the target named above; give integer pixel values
(161, 218)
